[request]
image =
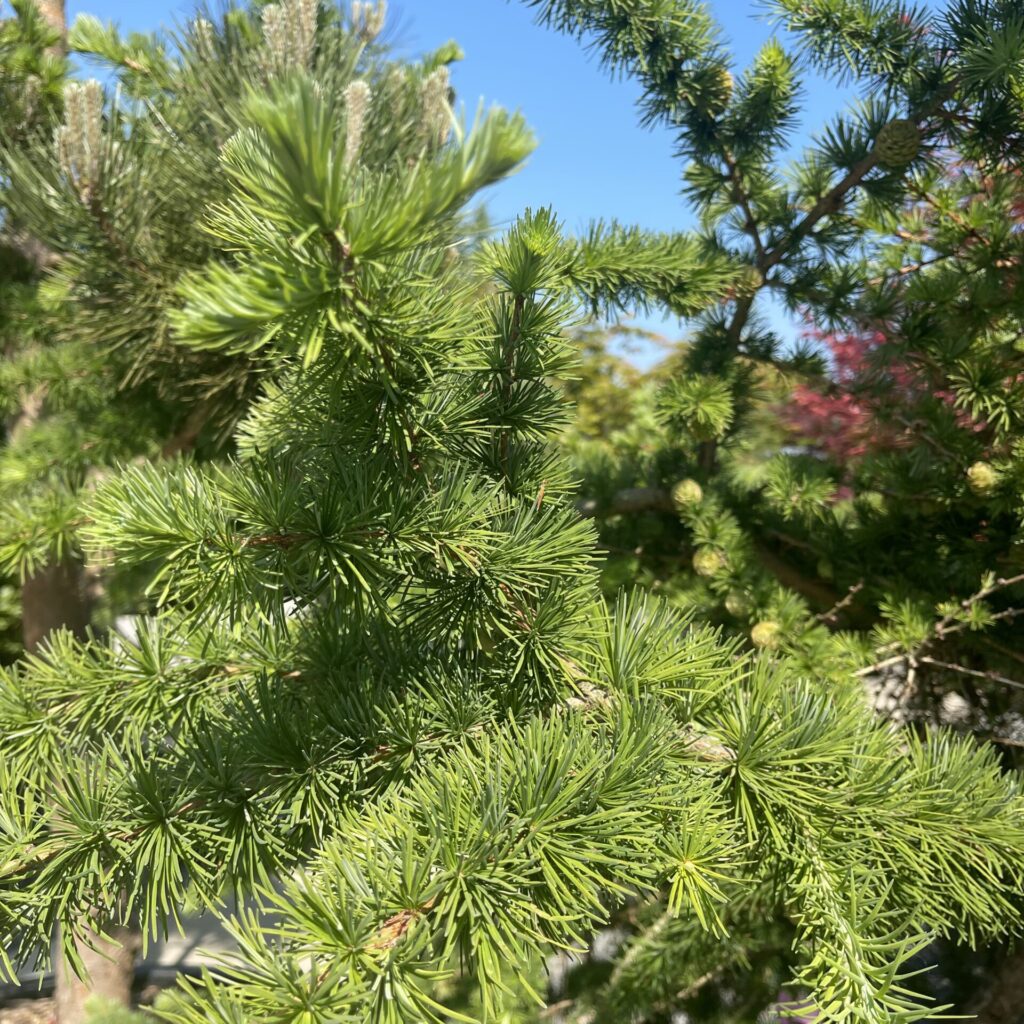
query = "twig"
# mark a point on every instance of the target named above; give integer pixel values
(743, 201)
(554, 1009)
(830, 615)
(926, 437)
(877, 666)
(1002, 648)
(508, 380)
(1000, 583)
(993, 677)
(949, 626)
(909, 268)
(694, 987)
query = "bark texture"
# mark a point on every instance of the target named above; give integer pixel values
(111, 971)
(55, 16)
(54, 598)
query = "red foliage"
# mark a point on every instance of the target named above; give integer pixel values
(842, 420)
(870, 404)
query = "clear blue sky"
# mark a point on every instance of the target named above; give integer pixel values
(593, 161)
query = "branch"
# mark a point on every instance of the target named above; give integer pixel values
(740, 197)
(508, 379)
(629, 500)
(830, 616)
(814, 590)
(943, 627)
(994, 677)
(910, 268)
(948, 626)
(828, 204)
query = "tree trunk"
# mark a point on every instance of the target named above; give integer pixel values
(56, 598)
(54, 15)
(1003, 1001)
(110, 970)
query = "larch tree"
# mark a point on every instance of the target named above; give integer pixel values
(850, 503)
(103, 196)
(380, 718)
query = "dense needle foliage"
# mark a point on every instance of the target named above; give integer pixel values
(380, 695)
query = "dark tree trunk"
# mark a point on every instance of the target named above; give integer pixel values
(54, 598)
(1003, 1001)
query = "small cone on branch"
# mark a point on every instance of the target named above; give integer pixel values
(737, 604)
(749, 280)
(766, 634)
(687, 494)
(983, 479)
(709, 561)
(897, 144)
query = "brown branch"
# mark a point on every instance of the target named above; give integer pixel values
(185, 439)
(740, 197)
(828, 204)
(998, 584)
(31, 249)
(553, 1009)
(707, 453)
(829, 617)
(993, 677)
(508, 378)
(948, 626)
(1005, 741)
(909, 268)
(923, 435)
(1002, 648)
(276, 540)
(814, 590)
(390, 933)
(697, 740)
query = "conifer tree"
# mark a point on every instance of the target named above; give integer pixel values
(875, 489)
(109, 199)
(33, 70)
(31, 78)
(857, 515)
(381, 697)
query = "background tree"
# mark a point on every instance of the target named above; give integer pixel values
(32, 74)
(896, 228)
(851, 503)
